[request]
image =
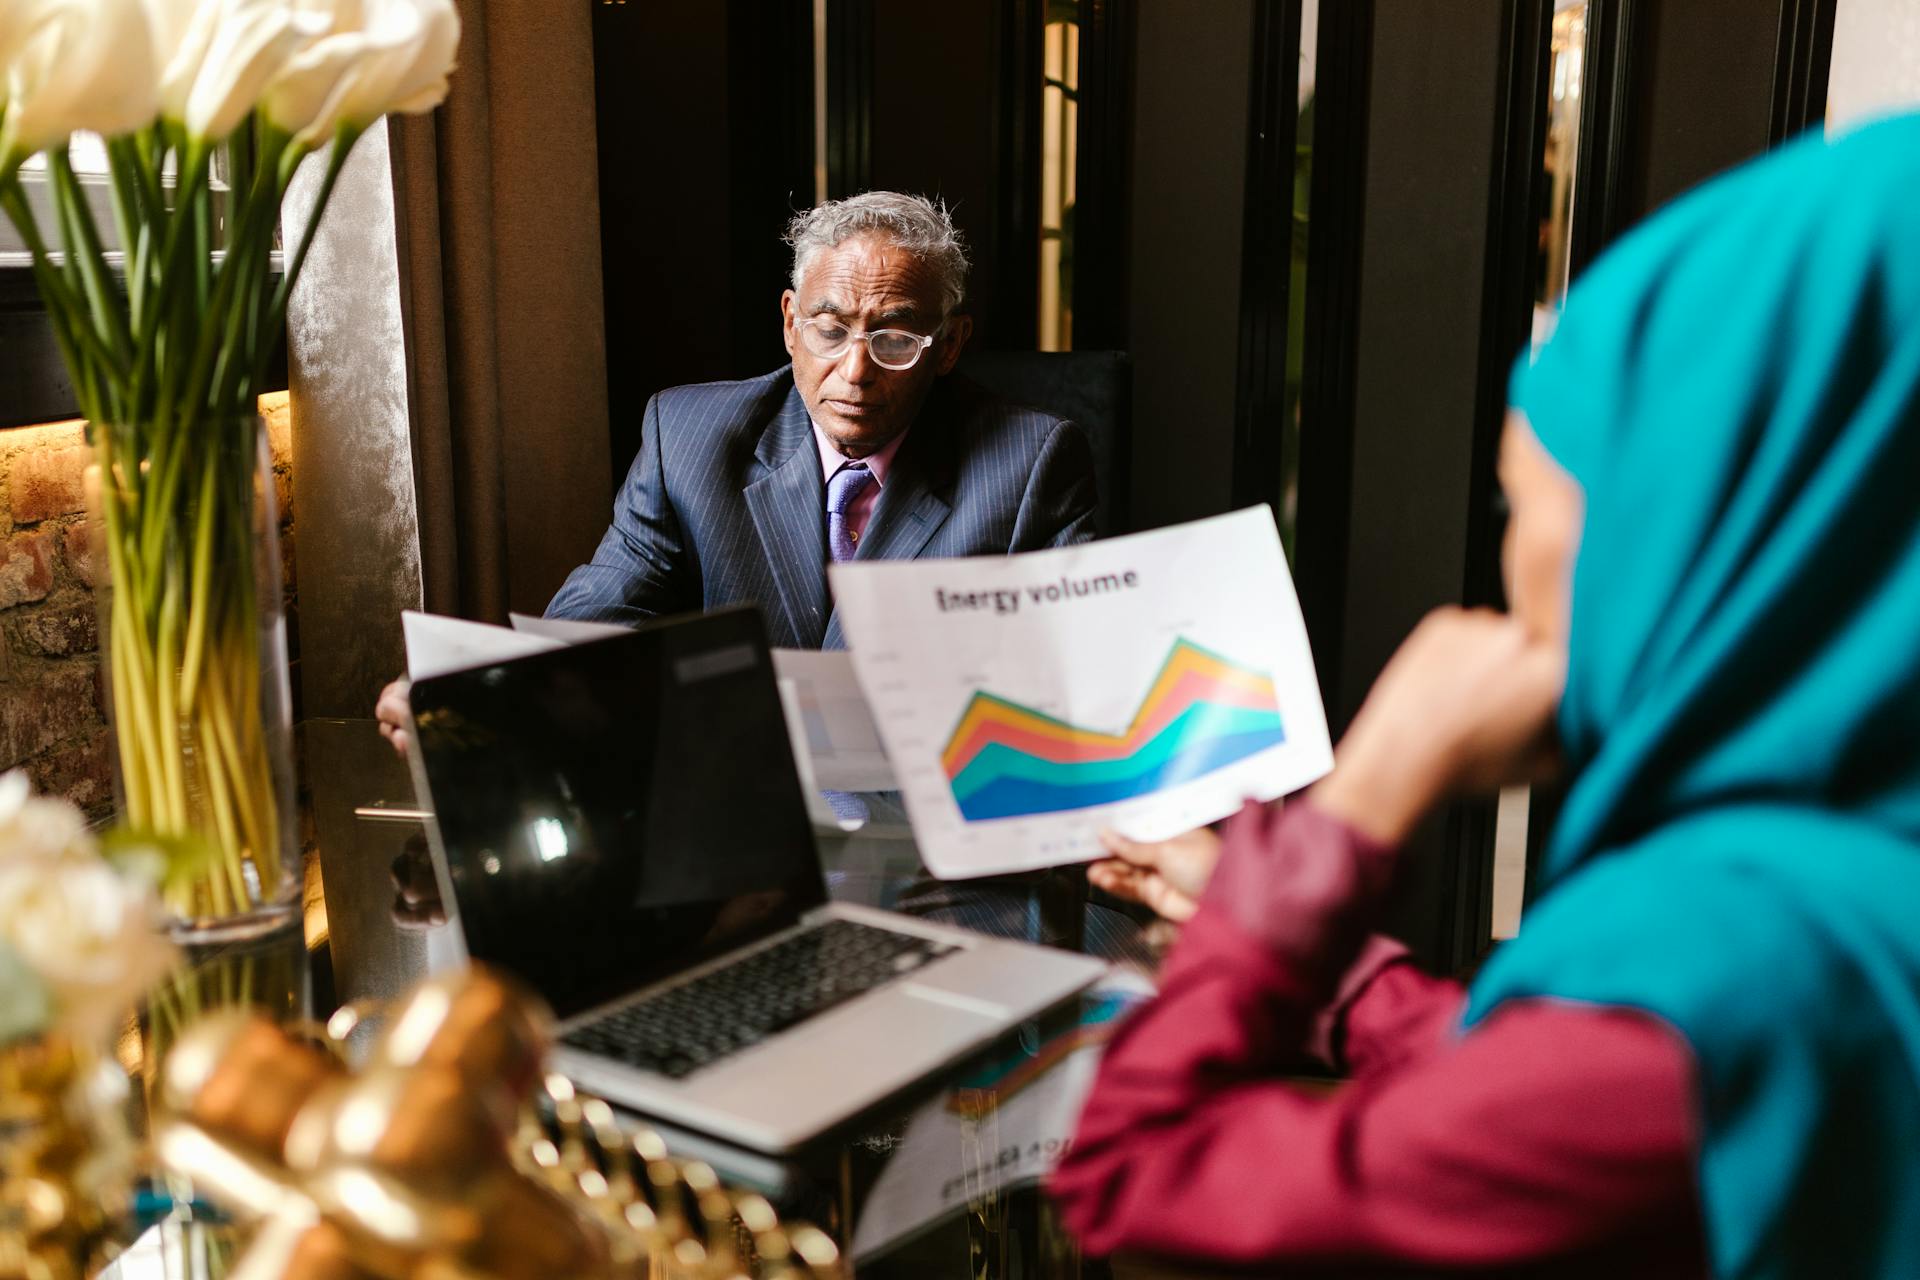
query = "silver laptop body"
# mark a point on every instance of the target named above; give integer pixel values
(620, 824)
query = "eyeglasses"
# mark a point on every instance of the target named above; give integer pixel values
(894, 349)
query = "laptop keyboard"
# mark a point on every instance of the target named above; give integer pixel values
(684, 1028)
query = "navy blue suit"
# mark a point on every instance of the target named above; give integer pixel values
(725, 503)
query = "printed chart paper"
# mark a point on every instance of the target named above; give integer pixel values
(1150, 683)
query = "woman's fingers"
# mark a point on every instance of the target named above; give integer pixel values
(1136, 852)
(1121, 879)
(1143, 885)
(1167, 902)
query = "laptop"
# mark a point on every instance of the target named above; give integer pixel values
(620, 824)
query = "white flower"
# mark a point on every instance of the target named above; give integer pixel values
(297, 100)
(89, 935)
(220, 55)
(377, 56)
(14, 785)
(34, 828)
(75, 64)
(26, 1007)
(14, 17)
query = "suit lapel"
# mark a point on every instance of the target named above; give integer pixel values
(788, 501)
(913, 503)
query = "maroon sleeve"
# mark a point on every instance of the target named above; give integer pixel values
(1550, 1132)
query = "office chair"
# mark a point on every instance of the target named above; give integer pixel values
(1094, 389)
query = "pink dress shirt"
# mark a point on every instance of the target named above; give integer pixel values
(1552, 1140)
(831, 460)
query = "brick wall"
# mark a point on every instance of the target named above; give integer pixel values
(52, 718)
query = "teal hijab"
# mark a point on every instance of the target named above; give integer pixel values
(1736, 387)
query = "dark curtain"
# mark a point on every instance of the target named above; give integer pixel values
(498, 223)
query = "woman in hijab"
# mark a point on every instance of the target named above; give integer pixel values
(1702, 1053)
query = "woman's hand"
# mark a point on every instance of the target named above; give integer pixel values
(1168, 877)
(1466, 705)
(395, 714)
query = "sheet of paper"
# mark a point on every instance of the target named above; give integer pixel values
(841, 738)
(819, 812)
(571, 630)
(437, 645)
(1150, 683)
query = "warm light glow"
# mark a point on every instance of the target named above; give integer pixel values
(63, 432)
(314, 900)
(226, 1175)
(48, 435)
(367, 1200)
(408, 1038)
(359, 1124)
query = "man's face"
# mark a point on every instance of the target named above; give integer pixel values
(867, 283)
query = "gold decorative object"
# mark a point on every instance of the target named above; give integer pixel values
(429, 1163)
(65, 1159)
(668, 1219)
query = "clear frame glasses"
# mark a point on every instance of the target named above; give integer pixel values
(894, 349)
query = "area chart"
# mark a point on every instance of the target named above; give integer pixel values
(1202, 712)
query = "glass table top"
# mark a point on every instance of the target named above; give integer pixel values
(944, 1184)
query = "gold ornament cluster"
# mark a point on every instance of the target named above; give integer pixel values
(65, 1156)
(450, 1155)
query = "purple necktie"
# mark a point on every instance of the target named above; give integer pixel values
(848, 483)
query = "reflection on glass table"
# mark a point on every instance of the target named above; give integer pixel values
(941, 1182)
(951, 1186)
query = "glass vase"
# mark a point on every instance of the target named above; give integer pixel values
(194, 643)
(255, 960)
(193, 627)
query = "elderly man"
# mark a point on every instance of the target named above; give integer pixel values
(862, 449)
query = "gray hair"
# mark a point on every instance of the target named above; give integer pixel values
(922, 227)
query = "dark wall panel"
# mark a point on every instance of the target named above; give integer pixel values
(1189, 182)
(1703, 92)
(34, 386)
(953, 111)
(932, 125)
(664, 193)
(1434, 104)
(705, 115)
(1423, 269)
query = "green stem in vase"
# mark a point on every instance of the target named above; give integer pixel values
(166, 713)
(82, 239)
(197, 613)
(70, 330)
(167, 284)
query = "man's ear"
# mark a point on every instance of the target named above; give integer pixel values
(786, 319)
(959, 329)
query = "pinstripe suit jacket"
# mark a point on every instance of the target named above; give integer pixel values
(725, 503)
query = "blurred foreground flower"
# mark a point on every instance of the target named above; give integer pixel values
(80, 936)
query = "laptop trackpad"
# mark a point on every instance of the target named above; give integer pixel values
(979, 979)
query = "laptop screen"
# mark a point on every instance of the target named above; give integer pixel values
(618, 810)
